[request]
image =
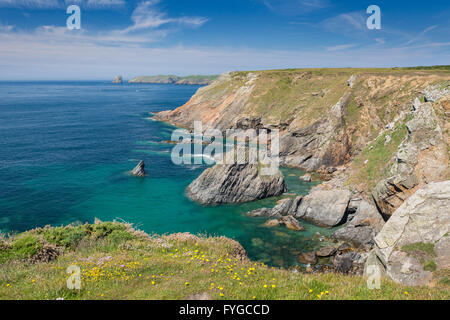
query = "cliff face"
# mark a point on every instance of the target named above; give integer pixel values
(355, 125)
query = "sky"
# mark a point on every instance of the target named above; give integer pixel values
(149, 37)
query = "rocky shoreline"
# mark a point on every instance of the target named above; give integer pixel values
(388, 179)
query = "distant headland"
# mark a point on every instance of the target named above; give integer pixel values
(192, 80)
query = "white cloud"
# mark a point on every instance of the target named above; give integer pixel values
(148, 16)
(97, 4)
(346, 23)
(57, 53)
(421, 35)
(295, 7)
(341, 47)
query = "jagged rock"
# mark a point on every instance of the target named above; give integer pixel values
(351, 81)
(139, 170)
(235, 184)
(306, 178)
(349, 261)
(435, 92)
(420, 158)
(423, 220)
(308, 258)
(291, 223)
(363, 227)
(287, 207)
(326, 252)
(324, 207)
(416, 104)
(263, 212)
(284, 207)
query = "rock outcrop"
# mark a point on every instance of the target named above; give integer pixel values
(139, 170)
(415, 241)
(421, 158)
(362, 228)
(283, 208)
(324, 207)
(235, 184)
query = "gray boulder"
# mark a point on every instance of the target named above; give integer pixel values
(283, 208)
(415, 242)
(139, 170)
(324, 207)
(235, 184)
(364, 226)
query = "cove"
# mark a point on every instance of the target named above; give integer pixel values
(66, 148)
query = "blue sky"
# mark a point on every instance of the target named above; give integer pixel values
(146, 37)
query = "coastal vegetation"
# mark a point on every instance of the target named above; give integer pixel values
(119, 262)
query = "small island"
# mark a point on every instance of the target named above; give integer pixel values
(118, 80)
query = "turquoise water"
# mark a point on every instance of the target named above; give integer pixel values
(66, 147)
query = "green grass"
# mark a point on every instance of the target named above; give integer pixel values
(119, 263)
(420, 247)
(430, 266)
(378, 157)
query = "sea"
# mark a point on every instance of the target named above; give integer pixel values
(66, 149)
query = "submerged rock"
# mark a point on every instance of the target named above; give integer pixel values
(235, 184)
(308, 258)
(291, 223)
(272, 223)
(139, 170)
(415, 242)
(324, 207)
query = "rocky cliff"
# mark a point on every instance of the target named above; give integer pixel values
(376, 136)
(364, 129)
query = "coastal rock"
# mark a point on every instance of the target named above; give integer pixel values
(435, 92)
(349, 261)
(417, 234)
(308, 258)
(286, 207)
(118, 80)
(283, 208)
(326, 252)
(324, 207)
(139, 170)
(421, 158)
(351, 81)
(291, 223)
(272, 223)
(235, 184)
(363, 227)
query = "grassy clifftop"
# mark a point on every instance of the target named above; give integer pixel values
(118, 262)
